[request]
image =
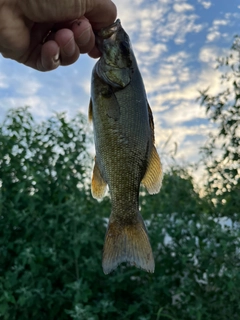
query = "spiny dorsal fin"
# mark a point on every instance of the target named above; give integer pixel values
(99, 185)
(127, 243)
(90, 111)
(152, 179)
(151, 122)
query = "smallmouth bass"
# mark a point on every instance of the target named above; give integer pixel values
(125, 152)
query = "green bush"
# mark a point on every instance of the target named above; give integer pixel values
(52, 234)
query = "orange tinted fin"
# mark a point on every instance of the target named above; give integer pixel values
(153, 176)
(90, 110)
(99, 186)
(128, 243)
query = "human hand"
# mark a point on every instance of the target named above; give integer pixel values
(45, 34)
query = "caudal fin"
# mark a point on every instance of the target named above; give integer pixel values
(128, 243)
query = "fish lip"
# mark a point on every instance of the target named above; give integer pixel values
(107, 32)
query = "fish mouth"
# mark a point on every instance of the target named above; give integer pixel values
(108, 32)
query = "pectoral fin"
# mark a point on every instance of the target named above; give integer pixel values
(99, 185)
(152, 179)
(114, 108)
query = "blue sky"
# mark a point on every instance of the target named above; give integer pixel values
(176, 43)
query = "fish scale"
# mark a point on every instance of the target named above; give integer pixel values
(125, 151)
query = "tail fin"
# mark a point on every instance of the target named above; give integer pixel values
(127, 243)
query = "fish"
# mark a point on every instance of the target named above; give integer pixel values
(126, 156)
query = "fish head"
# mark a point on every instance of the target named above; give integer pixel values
(116, 63)
(115, 46)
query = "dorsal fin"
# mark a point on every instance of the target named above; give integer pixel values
(151, 122)
(152, 179)
(90, 111)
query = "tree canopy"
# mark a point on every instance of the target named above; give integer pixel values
(222, 150)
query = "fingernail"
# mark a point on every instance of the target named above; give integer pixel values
(56, 57)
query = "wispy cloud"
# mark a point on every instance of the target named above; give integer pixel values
(214, 32)
(205, 4)
(181, 7)
(179, 25)
(3, 81)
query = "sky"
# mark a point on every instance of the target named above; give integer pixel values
(176, 43)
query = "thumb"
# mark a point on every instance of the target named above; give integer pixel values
(100, 13)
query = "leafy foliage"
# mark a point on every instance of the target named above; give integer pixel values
(223, 148)
(52, 234)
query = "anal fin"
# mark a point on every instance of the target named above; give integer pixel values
(128, 243)
(99, 185)
(152, 179)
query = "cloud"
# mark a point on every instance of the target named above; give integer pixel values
(233, 17)
(157, 21)
(220, 22)
(214, 31)
(3, 81)
(184, 112)
(38, 106)
(205, 78)
(168, 73)
(182, 141)
(205, 4)
(27, 87)
(64, 89)
(85, 85)
(148, 54)
(213, 35)
(209, 54)
(178, 25)
(181, 7)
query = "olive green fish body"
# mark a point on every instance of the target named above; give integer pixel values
(125, 151)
